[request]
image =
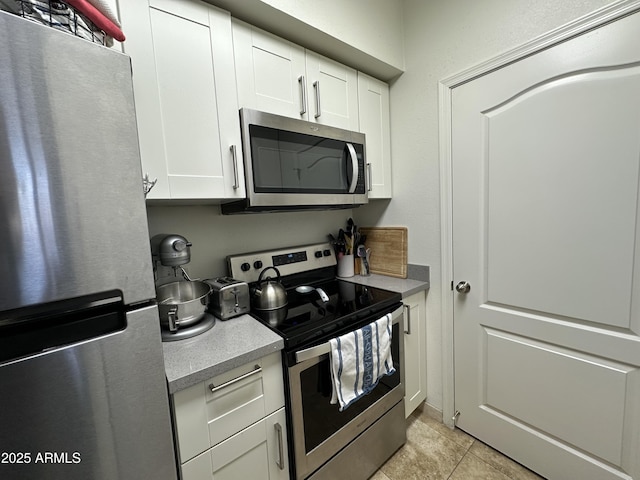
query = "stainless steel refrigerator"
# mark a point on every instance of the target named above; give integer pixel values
(82, 388)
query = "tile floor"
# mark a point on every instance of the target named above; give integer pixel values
(435, 452)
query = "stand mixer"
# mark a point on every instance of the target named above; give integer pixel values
(171, 250)
(182, 304)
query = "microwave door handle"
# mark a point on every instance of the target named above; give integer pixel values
(354, 168)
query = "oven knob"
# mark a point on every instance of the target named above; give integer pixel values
(326, 253)
(257, 264)
(318, 254)
(245, 267)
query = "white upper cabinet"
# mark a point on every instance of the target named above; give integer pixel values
(280, 77)
(185, 94)
(270, 72)
(333, 92)
(373, 103)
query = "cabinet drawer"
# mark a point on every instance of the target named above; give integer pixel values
(234, 404)
(214, 410)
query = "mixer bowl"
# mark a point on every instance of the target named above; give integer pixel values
(182, 303)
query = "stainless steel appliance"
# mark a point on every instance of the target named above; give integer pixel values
(229, 297)
(81, 367)
(183, 309)
(268, 293)
(171, 250)
(183, 304)
(324, 442)
(292, 164)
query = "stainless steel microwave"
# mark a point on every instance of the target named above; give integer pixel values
(292, 164)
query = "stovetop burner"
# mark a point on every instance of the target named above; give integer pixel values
(308, 319)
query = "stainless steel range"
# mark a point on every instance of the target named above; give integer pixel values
(325, 442)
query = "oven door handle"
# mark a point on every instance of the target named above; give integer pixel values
(324, 348)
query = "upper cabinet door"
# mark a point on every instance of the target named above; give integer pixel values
(280, 77)
(270, 72)
(183, 73)
(333, 92)
(373, 102)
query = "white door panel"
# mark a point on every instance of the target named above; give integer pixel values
(576, 177)
(577, 394)
(270, 72)
(176, 67)
(333, 92)
(546, 167)
(374, 114)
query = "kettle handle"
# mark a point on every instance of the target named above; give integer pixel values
(269, 268)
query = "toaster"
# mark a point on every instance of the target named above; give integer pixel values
(229, 297)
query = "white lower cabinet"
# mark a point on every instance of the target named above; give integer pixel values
(234, 425)
(415, 350)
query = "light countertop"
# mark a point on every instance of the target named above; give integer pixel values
(405, 286)
(229, 344)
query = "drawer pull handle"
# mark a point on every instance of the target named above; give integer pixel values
(280, 462)
(214, 389)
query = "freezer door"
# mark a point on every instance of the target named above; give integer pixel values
(71, 200)
(97, 409)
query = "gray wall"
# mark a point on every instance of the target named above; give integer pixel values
(214, 236)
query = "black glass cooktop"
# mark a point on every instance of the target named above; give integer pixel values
(307, 319)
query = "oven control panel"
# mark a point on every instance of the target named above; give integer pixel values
(246, 267)
(289, 258)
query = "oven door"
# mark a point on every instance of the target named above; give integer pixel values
(289, 162)
(319, 429)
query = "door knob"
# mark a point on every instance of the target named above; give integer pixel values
(463, 287)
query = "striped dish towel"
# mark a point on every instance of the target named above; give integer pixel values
(359, 359)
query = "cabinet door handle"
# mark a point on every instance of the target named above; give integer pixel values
(303, 95)
(234, 155)
(407, 309)
(316, 87)
(256, 369)
(280, 462)
(369, 178)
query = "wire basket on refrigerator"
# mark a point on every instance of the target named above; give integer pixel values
(59, 15)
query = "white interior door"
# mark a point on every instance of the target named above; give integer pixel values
(546, 165)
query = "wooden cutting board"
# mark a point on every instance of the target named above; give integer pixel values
(388, 250)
